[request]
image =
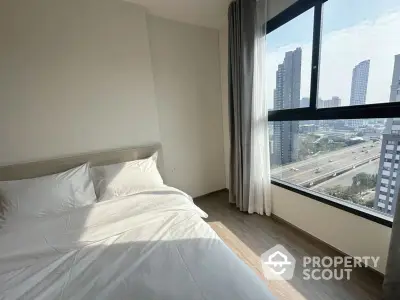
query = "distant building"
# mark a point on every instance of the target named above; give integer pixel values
(359, 85)
(334, 102)
(339, 124)
(320, 103)
(395, 87)
(305, 102)
(287, 95)
(308, 128)
(388, 181)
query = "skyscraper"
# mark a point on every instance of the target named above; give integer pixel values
(395, 87)
(359, 85)
(287, 95)
(388, 181)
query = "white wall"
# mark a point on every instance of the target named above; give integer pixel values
(75, 77)
(78, 76)
(189, 103)
(346, 232)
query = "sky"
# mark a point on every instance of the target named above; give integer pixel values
(353, 31)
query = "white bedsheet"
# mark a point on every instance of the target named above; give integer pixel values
(151, 245)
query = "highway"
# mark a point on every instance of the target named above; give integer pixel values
(346, 179)
(305, 171)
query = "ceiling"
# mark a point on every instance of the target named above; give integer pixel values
(208, 13)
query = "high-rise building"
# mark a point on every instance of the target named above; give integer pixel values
(395, 87)
(287, 95)
(359, 85)
(388, 181)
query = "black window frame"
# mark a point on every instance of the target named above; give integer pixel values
(366, 111)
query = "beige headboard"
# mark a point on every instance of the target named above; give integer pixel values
(57, 165)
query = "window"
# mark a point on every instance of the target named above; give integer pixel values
(334, 131)
(328, 157)
(352, 52)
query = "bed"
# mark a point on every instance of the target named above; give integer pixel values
(150, 244)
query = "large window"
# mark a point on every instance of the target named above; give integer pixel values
(331, 158)
(358, 48)
(334, 98)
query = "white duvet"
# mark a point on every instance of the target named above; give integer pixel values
(151, 245)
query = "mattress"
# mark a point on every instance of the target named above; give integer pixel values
(151, 245)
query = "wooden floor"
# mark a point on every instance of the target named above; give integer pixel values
(251, 235)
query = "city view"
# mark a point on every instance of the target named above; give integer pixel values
(352, 160)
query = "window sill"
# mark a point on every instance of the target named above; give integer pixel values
(348, 207)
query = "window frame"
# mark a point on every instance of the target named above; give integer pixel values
(366, 111)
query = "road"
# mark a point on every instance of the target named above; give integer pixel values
(327, 163)
(346, 179)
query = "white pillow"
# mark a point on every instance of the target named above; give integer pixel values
(40, 196)
(126, 178)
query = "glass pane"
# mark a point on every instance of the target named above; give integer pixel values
(360, 53)
(289, 63)
(333, 158)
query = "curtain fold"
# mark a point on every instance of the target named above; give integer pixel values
(391, 284)
(248, 112)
